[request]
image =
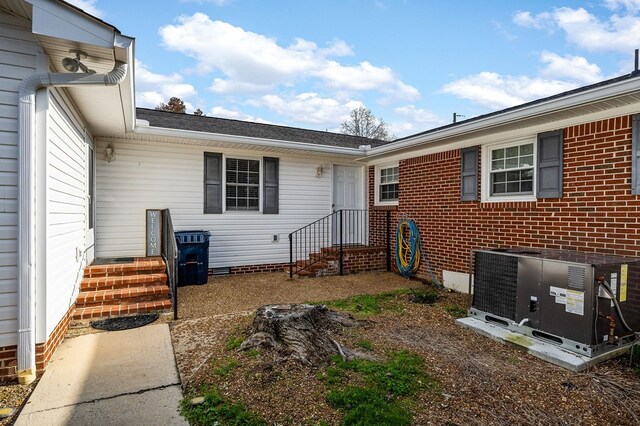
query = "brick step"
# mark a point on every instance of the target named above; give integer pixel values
(307, 264)
(126, 281)
(323, 256)
(141, 265)
(122, 296)
(106, 311)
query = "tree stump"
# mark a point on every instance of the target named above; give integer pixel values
(300, 332)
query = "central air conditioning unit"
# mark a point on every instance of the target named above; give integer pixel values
(587, 303)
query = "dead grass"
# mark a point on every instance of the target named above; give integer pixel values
(479, 381)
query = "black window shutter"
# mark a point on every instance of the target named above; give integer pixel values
(550, 164)
(469, 174)
(270, 186)
(635, 155)
(212, 182)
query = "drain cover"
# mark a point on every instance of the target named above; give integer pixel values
(124, 323)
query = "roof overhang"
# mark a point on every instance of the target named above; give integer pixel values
(607, 101)
(60, 27)
(143, 131)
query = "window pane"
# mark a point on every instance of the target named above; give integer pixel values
(526, 186)
(389, 192)
(511, 163)
(499, 177)
(527, 174)
(513, 187)
(497, 164)
(511, 176)
(512, 151)
(499, 188)
(526, 161)
(526, 149)
(497, 154)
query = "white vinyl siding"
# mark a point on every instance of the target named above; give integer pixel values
(67, 218)
(17, 61)
(150, 175)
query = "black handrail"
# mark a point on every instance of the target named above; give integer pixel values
(331, 234)
(170, 256)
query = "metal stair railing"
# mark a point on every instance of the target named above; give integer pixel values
(331, 234)
(170, 256)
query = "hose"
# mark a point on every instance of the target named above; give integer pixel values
(409, 251)
(606, 287)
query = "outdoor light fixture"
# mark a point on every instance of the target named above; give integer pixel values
(319, 171)
(73, 64)
(109, 153)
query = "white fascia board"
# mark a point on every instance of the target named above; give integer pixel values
(538, 109)
(56, 19)
(244, 140)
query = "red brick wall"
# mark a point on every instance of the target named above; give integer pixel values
(267, 267)
(364, 259)
(44, 351)
(597, 212)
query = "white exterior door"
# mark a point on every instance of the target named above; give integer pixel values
(90, 206)
(347, 195)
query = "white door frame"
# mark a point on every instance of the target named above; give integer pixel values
(349, 235)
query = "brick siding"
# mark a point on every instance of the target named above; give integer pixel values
(597, 212)
(267, 267)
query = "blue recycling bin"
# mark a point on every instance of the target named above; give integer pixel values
(193, 257)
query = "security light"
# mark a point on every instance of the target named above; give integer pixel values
(73, 64)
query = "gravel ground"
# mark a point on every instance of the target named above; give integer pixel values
(481, 382)
(13, 395)
(247, 292)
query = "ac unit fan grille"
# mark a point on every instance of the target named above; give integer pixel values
(495, 284)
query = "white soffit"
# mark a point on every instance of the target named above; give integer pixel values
(60, 28)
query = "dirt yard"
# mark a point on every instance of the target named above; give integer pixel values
(473, 380)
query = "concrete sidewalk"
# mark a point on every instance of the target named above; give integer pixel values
(114, 378)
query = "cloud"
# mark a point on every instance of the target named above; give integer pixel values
(630, 5)
(495, 91)
(308, 108)
(558, 74)
(413, 120)
(153, 88)
(88, 6)
(574, 68)
(620, 32)
(247, 61)
(235, 114)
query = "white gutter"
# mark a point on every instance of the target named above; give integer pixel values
(538, 109)
(26, 207)
(246, 140)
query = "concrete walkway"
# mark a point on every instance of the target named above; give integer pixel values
(114, 378)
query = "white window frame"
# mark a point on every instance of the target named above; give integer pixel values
(486, 171)
(224, 183)
(378, 169)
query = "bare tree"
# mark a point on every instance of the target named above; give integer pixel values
(362, 122)
(174, 105)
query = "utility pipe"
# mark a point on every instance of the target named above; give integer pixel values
(26, 208)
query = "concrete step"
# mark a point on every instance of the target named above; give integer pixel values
(126, 281)
(139, 265)
(122, 296)
(106, 311)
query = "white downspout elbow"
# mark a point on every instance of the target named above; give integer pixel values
(26, 367)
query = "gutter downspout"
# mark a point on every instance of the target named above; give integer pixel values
(26, 367)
